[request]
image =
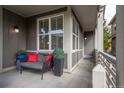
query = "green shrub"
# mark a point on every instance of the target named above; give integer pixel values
(58, 54)
(20, 52)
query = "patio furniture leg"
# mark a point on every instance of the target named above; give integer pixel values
(21, 70)
(41, 75)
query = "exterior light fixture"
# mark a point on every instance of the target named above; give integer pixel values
(85, 38)
(16, 29)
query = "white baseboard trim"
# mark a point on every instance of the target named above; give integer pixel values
(76, 64)
(8, 69)
(66, 71)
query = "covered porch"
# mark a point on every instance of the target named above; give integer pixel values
(82, 42)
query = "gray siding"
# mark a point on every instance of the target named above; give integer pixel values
(31, 33)
(25, 39)
(89, 43)
(32, 27)
(12, 41)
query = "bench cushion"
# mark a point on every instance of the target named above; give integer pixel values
(38, 65)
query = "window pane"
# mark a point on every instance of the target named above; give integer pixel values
(44, 40)
(40, 26)
(77, 43)
(59, 22)
(77, 29)
(53, 23)
(44, 26)
(73, 26)
(57, 41)
(73, 42)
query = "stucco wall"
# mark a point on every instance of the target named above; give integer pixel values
(12, 41)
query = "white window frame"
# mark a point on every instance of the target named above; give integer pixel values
(75, 35)
(50, 33)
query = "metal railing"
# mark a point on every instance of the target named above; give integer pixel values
(108, 62)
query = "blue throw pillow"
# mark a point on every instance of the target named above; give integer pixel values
(21, 57)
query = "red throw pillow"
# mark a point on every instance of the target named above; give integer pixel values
(32, 58)
(48, 59)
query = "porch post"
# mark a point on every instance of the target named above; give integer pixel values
(68, 38)
(100, 31)
(1, 40)
(96, 41)
(120, 46)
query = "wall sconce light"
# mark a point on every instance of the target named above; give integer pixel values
(16, 29)
(85, 38)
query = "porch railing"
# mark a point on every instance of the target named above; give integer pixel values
(108, 63)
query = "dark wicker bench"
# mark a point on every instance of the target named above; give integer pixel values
(42, 65)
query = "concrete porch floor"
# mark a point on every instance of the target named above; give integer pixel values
(81, 77)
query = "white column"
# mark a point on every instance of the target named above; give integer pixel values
(99, 77)
(96, 41)
(100, 31)
(1, 40)
(68, 37)
(120, 46)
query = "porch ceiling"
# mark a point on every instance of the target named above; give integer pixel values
(30, 10)
(86, 14)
